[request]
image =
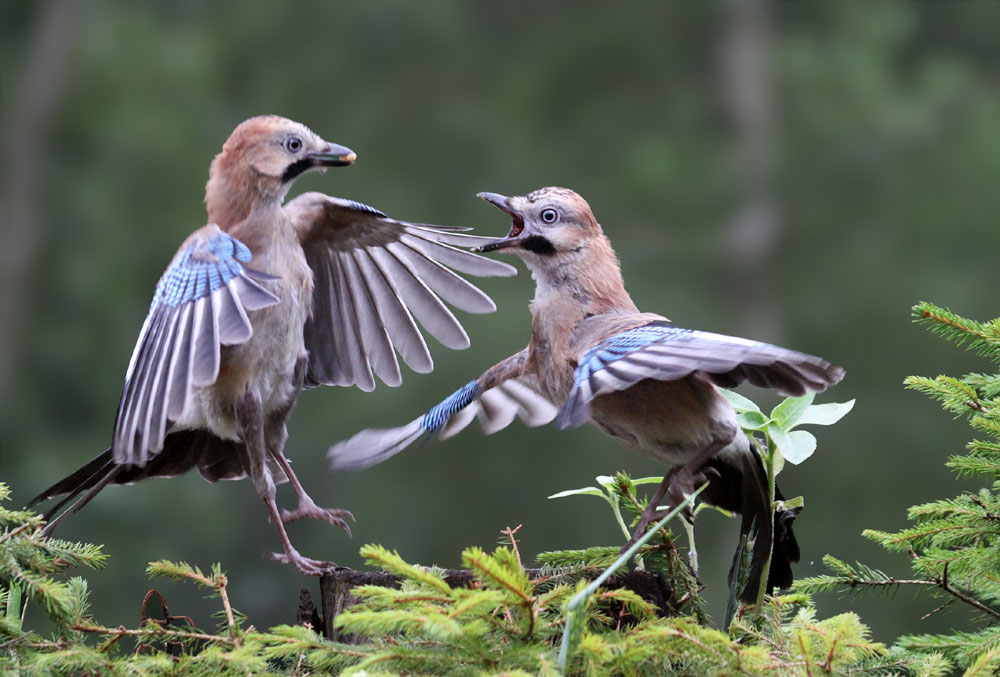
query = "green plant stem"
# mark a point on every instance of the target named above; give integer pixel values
(584, 594)
(617, 509)
(692, 549)
(772, 449)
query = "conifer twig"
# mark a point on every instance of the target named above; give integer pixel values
(121, 631)
(509, 533)
(224, 596)
(14, 532)
(942, 583)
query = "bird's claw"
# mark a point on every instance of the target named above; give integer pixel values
(335, 516)
(683, 483)
(304, 565)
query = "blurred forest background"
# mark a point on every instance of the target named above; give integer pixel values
(795, 172)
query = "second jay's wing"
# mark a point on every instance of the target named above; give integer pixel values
(658, 350)
(375, 278)
(495, 406)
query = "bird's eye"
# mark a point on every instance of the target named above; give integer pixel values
(293, 144)
(550, 215)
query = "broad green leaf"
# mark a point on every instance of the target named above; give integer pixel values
(752, 420)
(825, 414)
(802, 446)
(738, 402)
(782, 442)
(791, 410)
(588, 491)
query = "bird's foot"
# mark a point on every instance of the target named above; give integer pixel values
(304, 565)
(309, 510)
(684, 482)
(681, 483)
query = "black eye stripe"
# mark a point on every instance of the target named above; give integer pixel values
(296, 168)
(539, 245)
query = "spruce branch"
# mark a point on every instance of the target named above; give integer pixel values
(984, 337)
(153, 633)
(861, 577)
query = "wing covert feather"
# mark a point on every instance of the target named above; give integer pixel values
(660, 351)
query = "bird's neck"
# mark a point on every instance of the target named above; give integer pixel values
(232, 197)
(579, 285)
(265, 229)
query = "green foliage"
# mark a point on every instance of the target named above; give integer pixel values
(659, 553)
(29, 563)
(791, 445)
(953, 545)
(506, 623)
(509, 624)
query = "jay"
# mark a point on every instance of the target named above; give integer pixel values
(635, 376)
(267, 299)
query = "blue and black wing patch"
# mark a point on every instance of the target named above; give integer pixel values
(495, 408)
(200, 304)
(663, 352)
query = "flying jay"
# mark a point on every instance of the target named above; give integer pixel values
(267, 299)
(637, 377)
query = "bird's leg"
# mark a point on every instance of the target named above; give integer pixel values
(249, 413)
(677, 484)
(649, 513)
(277, 434)
(307, 508)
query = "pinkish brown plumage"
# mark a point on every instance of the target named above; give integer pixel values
(644, 382)
(266, 299)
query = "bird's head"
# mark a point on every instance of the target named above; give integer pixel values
(548, 225)
(261, 158)
(554, 231)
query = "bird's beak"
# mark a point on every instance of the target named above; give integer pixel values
(334, 156)
(502, 203)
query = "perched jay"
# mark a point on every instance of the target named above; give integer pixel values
(636, 376)
(265, 300)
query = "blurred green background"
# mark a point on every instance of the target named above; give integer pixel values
(796, 172)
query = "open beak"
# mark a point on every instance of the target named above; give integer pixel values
(502, 203)
(334, 156)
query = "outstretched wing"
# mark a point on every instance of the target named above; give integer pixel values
(495, 408)
(663, 352)
(374, 275)
(200, 304)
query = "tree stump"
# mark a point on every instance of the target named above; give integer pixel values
(335, 593)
